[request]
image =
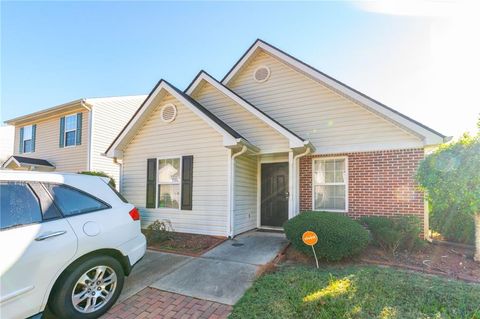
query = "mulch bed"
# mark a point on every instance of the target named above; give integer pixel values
(187, 244)
(445, 260)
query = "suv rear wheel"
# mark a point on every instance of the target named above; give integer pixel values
(89, 289)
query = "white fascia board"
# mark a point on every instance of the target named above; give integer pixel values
(10, 160)
(294, 141)
(427, 136)
(52, 111)
(228, 139)
(115, 151)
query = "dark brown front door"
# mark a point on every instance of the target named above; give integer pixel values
(274, 209)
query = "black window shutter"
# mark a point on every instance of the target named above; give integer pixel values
(20, 144)
(187, 182)
(151, 182)
(61, 141)
(34, 136)
(79, 129)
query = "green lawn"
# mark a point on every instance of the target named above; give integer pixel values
(357, 292)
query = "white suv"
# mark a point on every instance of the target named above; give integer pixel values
(66, 240)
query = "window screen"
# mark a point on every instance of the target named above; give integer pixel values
(330, 184)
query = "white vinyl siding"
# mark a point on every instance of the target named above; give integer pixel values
(245, 194)
(7, 138)
(332, 122)
(186, 135)
(109, 116)
(47, 136)
(245, 123)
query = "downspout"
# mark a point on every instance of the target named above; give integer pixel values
(297, 180)
(231, 189)
(88, 106)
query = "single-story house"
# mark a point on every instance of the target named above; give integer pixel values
(273, 138)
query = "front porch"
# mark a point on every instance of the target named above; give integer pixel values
(265, 189)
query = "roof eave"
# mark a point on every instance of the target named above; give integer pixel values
(116, 147)
(294, 140)
(428, 135)
(48, 112)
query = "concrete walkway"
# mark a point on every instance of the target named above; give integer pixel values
(153, 266)
(224, 273)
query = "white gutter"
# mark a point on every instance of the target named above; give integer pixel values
(46, 113)
(295, 197)
(231, 188)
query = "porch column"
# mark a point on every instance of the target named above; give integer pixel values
(291, 185)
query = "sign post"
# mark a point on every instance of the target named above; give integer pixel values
(310, 238)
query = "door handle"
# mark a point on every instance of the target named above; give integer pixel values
(50, 235)
(287, 194)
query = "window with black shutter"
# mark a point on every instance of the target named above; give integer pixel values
(151, 182)
(170, 183)
(187, 182)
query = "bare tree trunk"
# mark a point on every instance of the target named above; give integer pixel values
(477, 237)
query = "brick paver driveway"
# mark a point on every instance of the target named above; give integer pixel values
(154, 303)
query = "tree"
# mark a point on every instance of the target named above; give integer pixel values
(451, 177)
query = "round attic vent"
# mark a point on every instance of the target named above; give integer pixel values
(168, 113)
(261, 74)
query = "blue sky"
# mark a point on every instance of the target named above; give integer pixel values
(55, 52)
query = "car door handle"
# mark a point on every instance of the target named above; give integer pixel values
(50, 235)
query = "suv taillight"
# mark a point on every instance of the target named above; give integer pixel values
(134, 214)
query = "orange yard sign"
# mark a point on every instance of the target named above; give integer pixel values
(309, 238)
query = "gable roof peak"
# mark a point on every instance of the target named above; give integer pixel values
(231, 137)
(428, 135)
(294, 140)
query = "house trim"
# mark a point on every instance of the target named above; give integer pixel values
(47, 113)
(90, 147)
(261, 161)
(428, 135)
(179, 157)
(295, 141)
(230, 137)
(27, 162)
(346, 184)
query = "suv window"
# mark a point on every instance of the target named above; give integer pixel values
(72, 201)
(49, 210)
(18, 205)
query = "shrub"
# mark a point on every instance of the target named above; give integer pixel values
(159, 231)
(454, 225)
(101, 174)
(394, 233)
(338, 235)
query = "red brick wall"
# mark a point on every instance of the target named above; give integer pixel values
(379, 183)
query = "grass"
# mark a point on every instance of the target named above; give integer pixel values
(357, 292)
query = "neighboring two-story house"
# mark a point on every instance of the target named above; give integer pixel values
(71, 137)
(6, 142)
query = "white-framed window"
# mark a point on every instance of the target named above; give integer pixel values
(70, 137)
(330, 184)
(168, 182)
(27, 141)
